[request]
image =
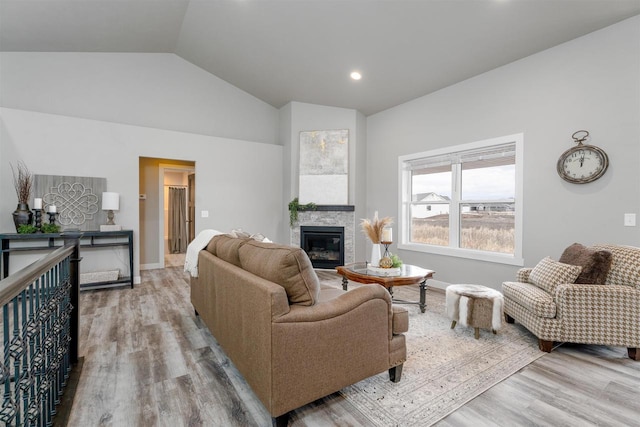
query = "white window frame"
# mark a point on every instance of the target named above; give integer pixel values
(404, 204)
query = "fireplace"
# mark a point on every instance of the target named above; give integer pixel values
(324, 245)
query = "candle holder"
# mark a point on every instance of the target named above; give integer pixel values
(38, 219)
(386, 249)
(52, 217)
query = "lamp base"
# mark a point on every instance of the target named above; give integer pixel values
(114, 227)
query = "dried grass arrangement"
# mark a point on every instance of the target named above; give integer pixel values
(22, 181)
(373, 228)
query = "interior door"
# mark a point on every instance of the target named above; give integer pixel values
(191, 206)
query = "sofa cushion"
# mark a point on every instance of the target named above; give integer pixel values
(226, 248)
(549, 273)
(595, 263)
(287, 266)
(531, 297)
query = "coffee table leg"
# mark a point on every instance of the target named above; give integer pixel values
(423, 289)
(345, 282)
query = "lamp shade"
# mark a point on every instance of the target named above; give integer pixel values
(110, 201)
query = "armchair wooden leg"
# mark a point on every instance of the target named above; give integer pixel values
(634, 353)
(395, 373)
(281, 421)
(545, 345)
(508, 318)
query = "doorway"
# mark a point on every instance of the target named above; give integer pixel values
(167, 211)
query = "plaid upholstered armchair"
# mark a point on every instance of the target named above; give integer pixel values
(592, 296)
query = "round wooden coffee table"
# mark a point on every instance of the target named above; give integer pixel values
(409, 275)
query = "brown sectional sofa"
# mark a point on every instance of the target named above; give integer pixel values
(291, 339)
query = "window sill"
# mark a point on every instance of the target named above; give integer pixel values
(464, 253)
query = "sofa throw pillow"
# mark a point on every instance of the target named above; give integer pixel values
(239, 234)
(548, 274)
(595, 263)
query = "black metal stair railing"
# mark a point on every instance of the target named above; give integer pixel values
(39, 328)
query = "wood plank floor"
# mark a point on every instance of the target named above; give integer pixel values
(148, 361)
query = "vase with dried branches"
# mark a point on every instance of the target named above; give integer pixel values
(373, 230)
(23, 182)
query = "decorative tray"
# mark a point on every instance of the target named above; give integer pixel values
(379, 271)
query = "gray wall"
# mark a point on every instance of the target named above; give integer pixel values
(158, 90)
(590, 83)
(238, 182)
(86, 114)
(104, 111)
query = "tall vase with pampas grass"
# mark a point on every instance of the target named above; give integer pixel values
(373, 230)
(22, 181)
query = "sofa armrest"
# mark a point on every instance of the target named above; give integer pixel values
(335, 307)
(523, 275)
(320, 349)
(601, 313)
(400, 320)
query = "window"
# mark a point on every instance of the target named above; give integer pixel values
(464, 201)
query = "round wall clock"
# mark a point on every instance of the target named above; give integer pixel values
(582, 163)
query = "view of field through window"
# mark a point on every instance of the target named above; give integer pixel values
(487, 231)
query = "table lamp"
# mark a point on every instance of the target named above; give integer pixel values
(110, 203)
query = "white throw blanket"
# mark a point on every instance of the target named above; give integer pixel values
(199, 243)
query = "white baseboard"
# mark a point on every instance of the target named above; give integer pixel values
(151, 266)
(137, 280)
(438, 284)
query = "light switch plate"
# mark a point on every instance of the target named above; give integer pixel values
(629, 220)
(204, 214)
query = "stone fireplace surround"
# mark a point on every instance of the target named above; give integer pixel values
(329, 216)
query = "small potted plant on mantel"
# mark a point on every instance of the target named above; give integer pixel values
(23, 182)
(295, 206)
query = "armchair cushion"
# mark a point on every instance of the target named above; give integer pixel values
(595, 263)
(531, 297)
(549, 273)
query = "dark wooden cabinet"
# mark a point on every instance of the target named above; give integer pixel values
(13, 242)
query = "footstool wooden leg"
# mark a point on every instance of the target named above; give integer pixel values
(477, 333)
(453, 324)
(345, 283)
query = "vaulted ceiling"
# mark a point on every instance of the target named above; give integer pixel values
(304, 50)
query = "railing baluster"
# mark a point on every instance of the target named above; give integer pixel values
(39, 336)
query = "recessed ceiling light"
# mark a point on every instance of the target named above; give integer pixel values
(356, 75)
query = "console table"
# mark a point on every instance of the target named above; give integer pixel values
(49, 242)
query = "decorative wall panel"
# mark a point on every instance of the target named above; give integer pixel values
(77, 200)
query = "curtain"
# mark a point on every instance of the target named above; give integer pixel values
(177, 220)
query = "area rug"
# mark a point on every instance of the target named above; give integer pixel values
(445, 367)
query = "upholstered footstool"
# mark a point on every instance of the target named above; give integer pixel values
(476, 306)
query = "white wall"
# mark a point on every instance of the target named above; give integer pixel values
(238, 182)
(158, 90)
(590, 83)
(296, 117)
